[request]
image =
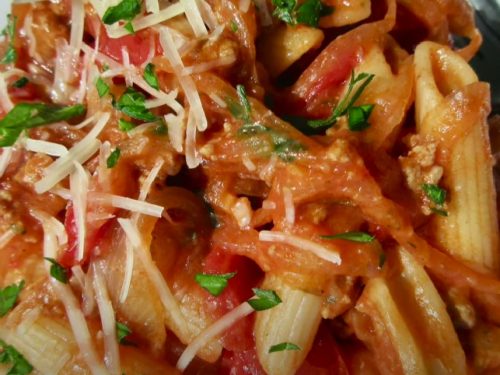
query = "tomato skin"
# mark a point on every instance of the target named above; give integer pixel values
(325, 357)
(239, 356)
(138, 46)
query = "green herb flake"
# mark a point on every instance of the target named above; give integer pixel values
(361, 237)
(8, 297)
(150, 76)
(249, 130)
(125, 126)
(347, 102)
(102, 87)
(233, 26)
(113, 158)
(214, 284)
(129, 27)
(436, 194)
(122, 332)
(126, 10)
(283, 346)
(10, 32)
(132, 103)
(358, 117)
(30, 115)
(161, 129)
(20, 83)
(242, 96)
(57, 271)
(9, 355)
(265, 299)
(308, 13)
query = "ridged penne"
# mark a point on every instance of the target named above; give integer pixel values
(410, 323)
(295, 321)
(451, 107)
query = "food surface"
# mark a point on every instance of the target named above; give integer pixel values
(246, 187)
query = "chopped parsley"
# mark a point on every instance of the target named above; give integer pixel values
(214, 284)
(265, 299)
(242, 96)
(122, 332)
(9, 355)
(57, 271)
(30, 115)
(161, 128)
(150, 76)
(20, 83)
(8, 297)
(283, 346)
(308, 13)
(132, 103)
(125, 125)
(113, 158)
(102, 87)
(129, 27)
(10, 32)
(126, 10)
(351, 236)
(437, 196)
(233, 26)
(360, 115)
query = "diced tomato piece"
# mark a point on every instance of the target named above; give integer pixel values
(138, 46)
(325, 357)
(240, 354)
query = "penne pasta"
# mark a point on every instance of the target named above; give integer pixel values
(295, 320)
(450, 110)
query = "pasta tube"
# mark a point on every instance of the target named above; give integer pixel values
(410, 321)
(294, 321)
(346, 12)
(450, 109)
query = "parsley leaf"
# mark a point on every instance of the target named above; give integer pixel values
(347, 102)
(439, 211)
(358, 117)
(30, 115)
(283, 346)
(20, 83)
(150, 76)
(266, 299)
(122, 331)
(351, 236)
(132, 103)
(233, 26)
(10, 32)
(436, 194)
(308, 13)
(9, 355)
(125, 125)
(214, 284)
(8, 297)
(126, 10)
(102, 87)
(113, 158)
(57, 271)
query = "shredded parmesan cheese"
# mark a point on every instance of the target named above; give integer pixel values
(209, 65)
(6, 237)
(108, 322)
(211, 332)
(44, 147)
(301, 243)
(176, 126)
(152, 6)
(77, 25)
(5, 102)
(127, 204)
(265, 17)
(289, 206)
(194, 18)
(192, 158)
(248, 163)
(79, 185)
(127, 272)
(80, 153)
